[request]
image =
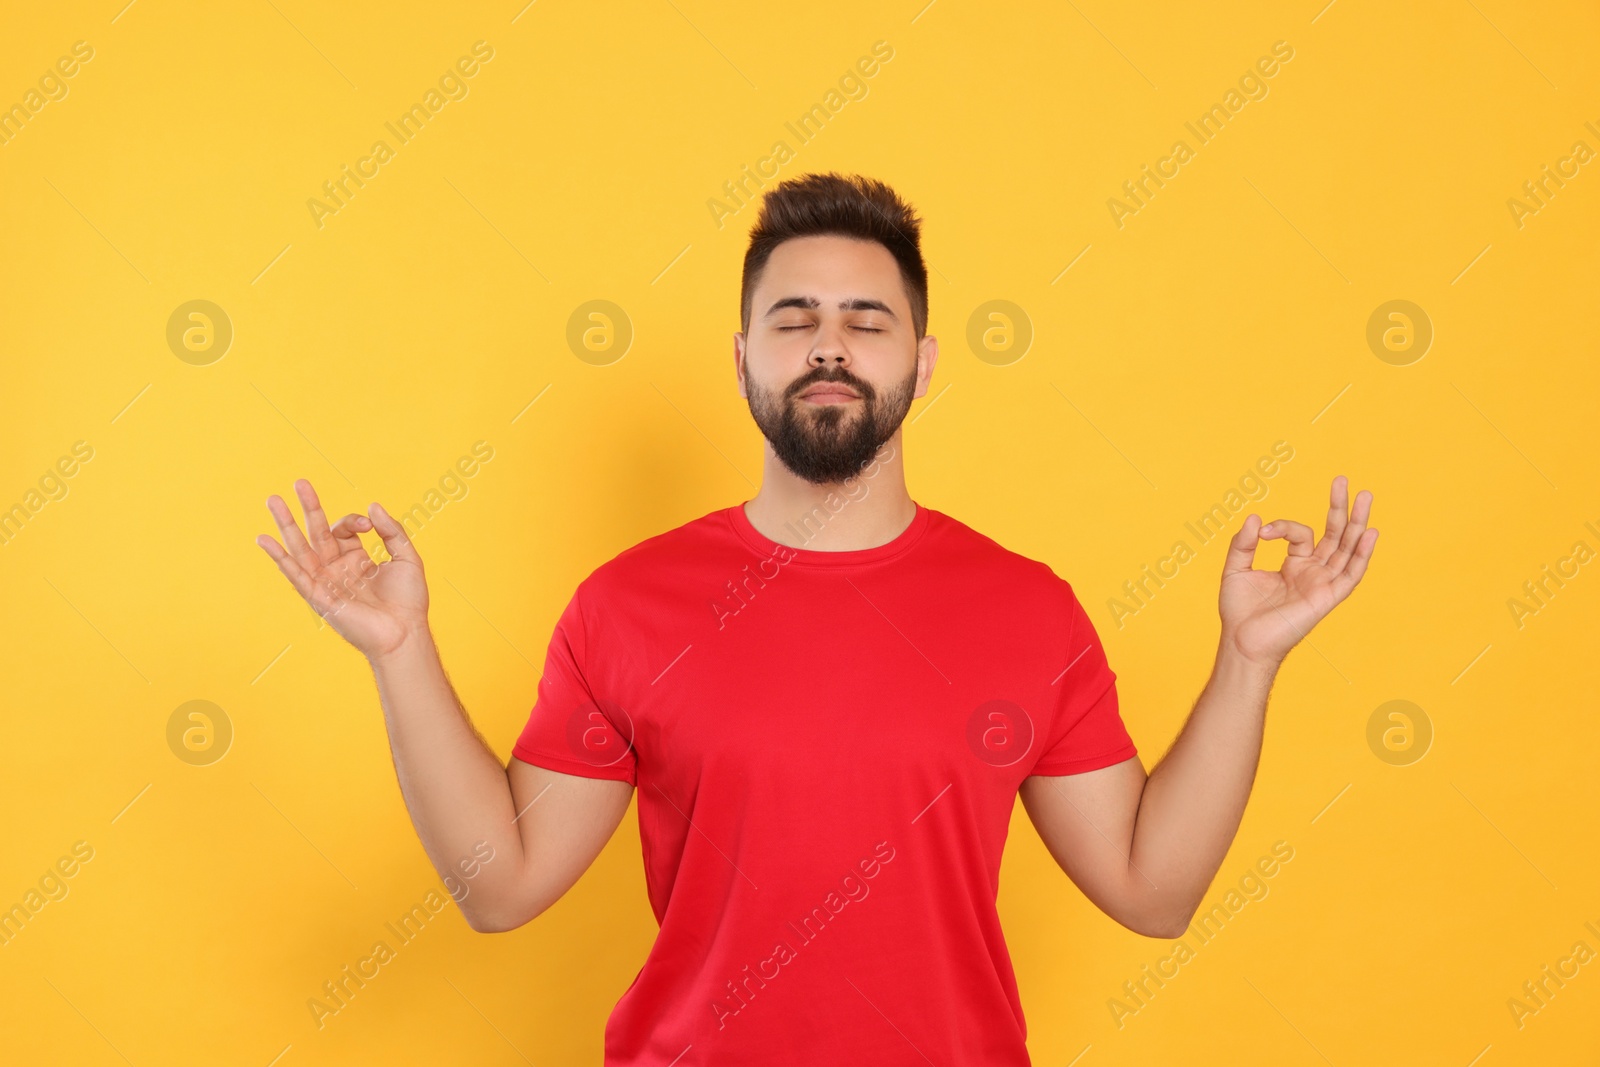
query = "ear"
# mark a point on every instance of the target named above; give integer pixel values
(927, 356)
(738, 362)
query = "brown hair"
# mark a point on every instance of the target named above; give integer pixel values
(846, 205)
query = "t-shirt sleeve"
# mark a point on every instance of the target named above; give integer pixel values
(572, 728)
(1086, 731)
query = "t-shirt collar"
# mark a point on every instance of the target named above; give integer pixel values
(901, 543)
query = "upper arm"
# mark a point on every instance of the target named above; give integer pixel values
(563, 818)
(563, 823)
(1086, 821)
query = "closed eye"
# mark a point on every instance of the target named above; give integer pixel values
(806, 326)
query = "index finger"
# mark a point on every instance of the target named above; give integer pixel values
(1298, 534)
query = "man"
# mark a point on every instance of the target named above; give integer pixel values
(829, 698)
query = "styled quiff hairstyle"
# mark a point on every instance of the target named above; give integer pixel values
(846, 205)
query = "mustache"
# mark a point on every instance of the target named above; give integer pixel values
(820, 374)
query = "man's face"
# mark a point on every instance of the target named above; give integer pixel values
(831, 362)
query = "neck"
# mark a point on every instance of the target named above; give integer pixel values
(869, 509)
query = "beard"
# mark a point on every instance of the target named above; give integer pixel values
(829, 443)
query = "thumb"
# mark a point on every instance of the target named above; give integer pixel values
(393, 534)
(1242, 548)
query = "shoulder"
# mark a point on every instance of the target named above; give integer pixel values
(1013, 582)
(663, 558)
(977, 548)
(1017, 594)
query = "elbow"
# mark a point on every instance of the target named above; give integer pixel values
(499, 907)
(1168, 925)
(486, 924)
(485, 919)
(1166, 931)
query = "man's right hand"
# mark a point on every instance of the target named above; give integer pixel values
(374, 606)
(544, 828)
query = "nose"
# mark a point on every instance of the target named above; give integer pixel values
(829, 350)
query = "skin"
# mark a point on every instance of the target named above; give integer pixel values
(545, 827)
(1143, 847)
(785, 344)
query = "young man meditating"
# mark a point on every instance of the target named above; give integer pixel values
(828, 698)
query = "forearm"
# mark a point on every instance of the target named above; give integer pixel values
(454, 786)
(1194, 799)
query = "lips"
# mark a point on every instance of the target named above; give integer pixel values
(829, 393)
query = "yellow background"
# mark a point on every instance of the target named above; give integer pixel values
(371, 353)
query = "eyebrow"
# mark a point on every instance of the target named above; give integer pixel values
(853, 304)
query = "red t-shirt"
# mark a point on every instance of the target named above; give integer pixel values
(827, 748)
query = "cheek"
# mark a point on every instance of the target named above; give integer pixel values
(762, 384)
(780, 355)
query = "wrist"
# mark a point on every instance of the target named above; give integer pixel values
(416, 640)
(1234, 664)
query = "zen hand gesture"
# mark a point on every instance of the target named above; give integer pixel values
(373, 606)
(1266, 613)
